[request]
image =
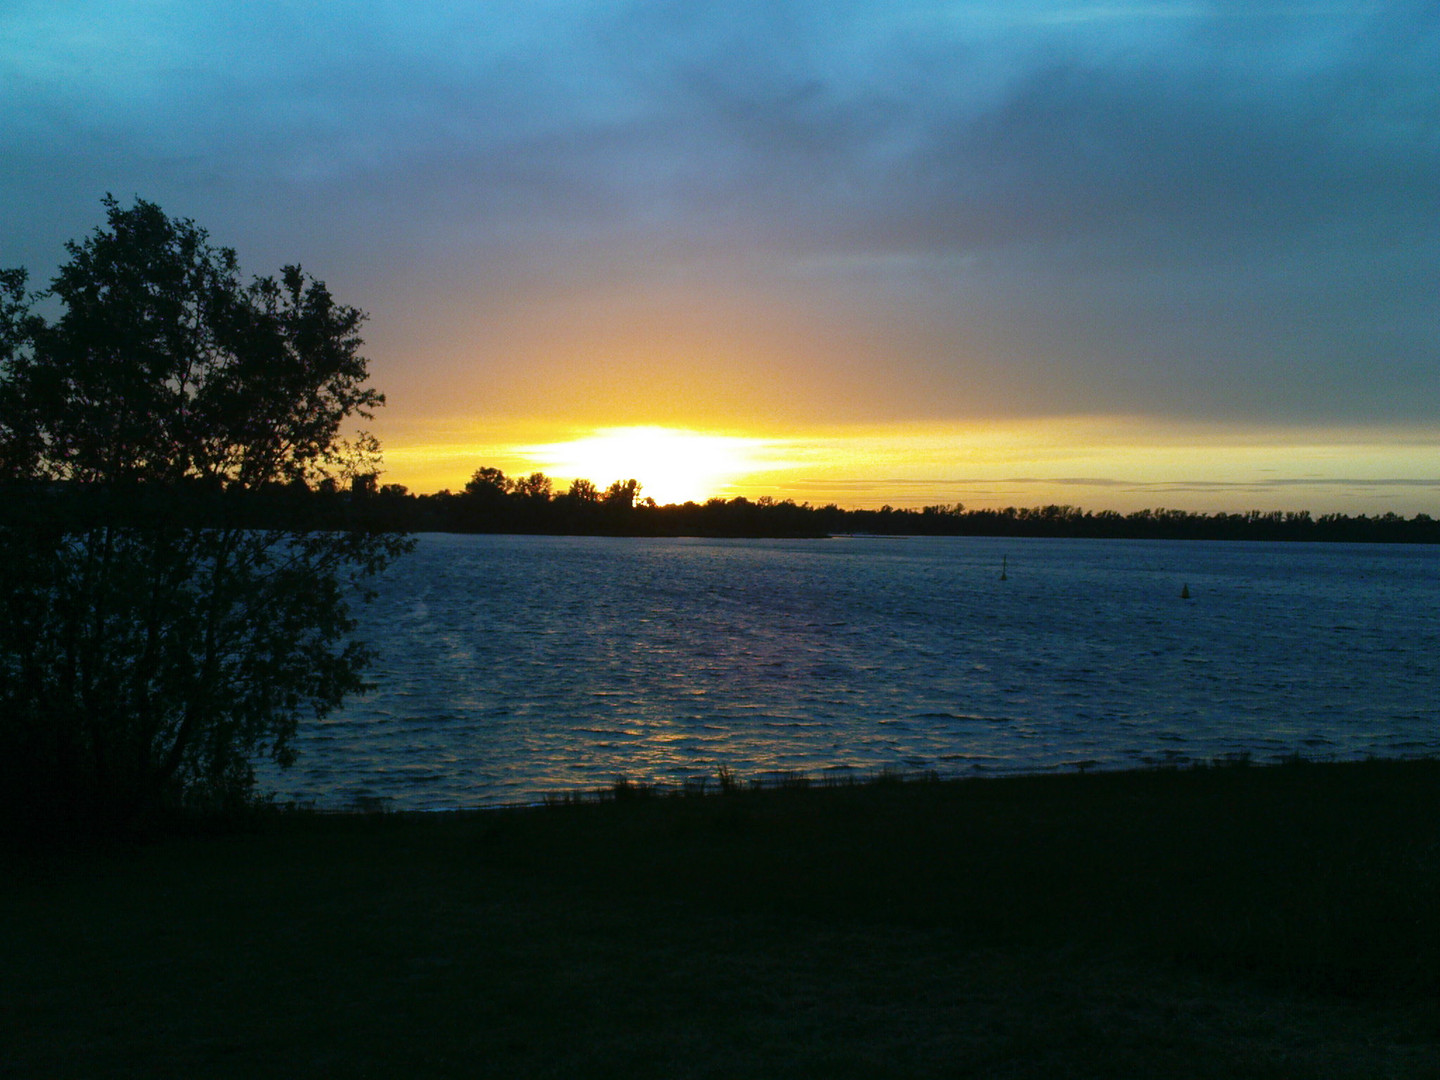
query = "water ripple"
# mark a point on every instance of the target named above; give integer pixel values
(514, 666)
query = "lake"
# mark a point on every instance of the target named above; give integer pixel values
(511, 667)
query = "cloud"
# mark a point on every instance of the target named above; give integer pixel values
(891, 482)
(909, 210)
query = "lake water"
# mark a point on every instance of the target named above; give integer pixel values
(511, 667)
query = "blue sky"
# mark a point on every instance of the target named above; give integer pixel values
(1187, 252)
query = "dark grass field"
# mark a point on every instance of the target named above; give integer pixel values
(1215, 922)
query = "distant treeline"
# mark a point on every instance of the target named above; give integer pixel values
(495, 503)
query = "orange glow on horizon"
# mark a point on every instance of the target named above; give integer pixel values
(673, 465)
(1099, 463)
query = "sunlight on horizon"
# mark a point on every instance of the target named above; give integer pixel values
(673, 465)
(1114, 462)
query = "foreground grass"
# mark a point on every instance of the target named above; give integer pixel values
(1235, 922)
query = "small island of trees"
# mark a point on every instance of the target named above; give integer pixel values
(492, 502)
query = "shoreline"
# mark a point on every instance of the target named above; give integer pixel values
(704, 785)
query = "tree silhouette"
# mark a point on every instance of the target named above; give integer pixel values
(537, 486)
(152, 645)
(582, 491)
(622, 494)
(489, 483)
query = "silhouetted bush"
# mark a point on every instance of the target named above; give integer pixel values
(180, 540)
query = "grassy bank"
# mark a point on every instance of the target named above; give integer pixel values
(1238, 921)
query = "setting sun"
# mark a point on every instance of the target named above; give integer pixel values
(672, 465)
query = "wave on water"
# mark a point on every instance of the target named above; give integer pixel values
(515, 666)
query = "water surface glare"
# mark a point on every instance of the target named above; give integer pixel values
(515, 666)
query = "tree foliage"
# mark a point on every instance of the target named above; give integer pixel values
(152, 644)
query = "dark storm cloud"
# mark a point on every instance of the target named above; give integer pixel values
(1207, 209)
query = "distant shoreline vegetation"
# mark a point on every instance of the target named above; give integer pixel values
(495, 503)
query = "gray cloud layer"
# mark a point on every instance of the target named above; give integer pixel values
(1212, 210)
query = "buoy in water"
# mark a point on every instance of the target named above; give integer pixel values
(1185, 591)
(1004, 563)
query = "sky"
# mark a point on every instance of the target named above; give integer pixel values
(1115, 255)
